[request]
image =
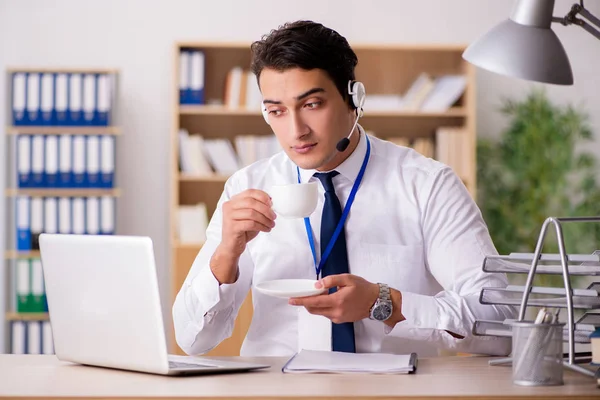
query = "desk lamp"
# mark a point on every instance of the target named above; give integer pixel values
(524, 46)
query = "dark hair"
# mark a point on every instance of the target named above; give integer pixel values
(307, 45)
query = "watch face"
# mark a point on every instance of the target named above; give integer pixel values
(382, 312)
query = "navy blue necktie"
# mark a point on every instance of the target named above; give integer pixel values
(342, 335)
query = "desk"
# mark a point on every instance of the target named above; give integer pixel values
(29, 376)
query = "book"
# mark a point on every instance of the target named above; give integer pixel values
(315, 361)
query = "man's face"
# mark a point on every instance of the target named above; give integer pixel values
(307, 114)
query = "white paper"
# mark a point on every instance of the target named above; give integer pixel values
(340, 362)
(314, 331)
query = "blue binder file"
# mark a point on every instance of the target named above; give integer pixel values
(22, 223)
(33, 98)
(24, 161)
(92, 214)
(79, 162)
(65, 161)
(184, 77)
(47, 99)
(65, 215)
(107, 215)
(75, 100)
(197, 77)
(89, 99)
(37, 161)
(61, 89)
(78, 225)
(107, 162)
(19, 99)
(104, 99)
(92, 156)
(51, 161)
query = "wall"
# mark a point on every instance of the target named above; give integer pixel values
(137, 37)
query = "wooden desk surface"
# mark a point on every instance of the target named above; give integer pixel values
(30, 376)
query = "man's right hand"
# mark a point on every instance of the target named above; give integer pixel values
(244, 216)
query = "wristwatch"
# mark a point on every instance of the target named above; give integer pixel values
(382, 309)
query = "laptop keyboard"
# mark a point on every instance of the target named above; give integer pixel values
(174, 364)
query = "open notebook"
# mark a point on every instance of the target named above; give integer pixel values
(306, 361)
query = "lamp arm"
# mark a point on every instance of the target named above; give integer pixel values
(571, 19)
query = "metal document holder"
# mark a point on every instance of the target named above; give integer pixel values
(563, 258)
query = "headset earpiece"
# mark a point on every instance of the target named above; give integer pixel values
(358, 95)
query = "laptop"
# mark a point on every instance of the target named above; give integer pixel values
(105, 310)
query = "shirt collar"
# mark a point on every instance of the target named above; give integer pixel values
(350, 167)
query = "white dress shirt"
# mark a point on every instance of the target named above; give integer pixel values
(413, 226)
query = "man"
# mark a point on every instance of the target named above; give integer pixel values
(405, 270)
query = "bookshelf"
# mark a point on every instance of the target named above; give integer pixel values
(60, 167)
(385, 69)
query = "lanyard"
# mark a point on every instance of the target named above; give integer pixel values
(340, 224)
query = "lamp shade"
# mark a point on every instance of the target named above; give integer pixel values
(527, 49)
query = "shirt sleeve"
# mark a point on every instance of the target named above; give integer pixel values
(204, 311)
(456, 240)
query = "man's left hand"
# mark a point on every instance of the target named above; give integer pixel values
(350, 303)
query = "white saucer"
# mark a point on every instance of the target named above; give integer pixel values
(286, 288)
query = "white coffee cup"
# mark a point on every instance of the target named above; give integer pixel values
(297, 200)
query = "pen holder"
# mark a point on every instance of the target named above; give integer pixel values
(537, 358)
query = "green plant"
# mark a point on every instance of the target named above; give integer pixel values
(539, 168)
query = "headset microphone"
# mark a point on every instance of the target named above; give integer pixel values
(342, 145)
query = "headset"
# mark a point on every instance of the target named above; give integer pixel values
(358, 95)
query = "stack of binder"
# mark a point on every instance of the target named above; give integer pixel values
(62, 167)
(191, 77)
(62, 99)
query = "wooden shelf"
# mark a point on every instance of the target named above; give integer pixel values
(13, 316)
(203, 178)
(63, 130)
(59, 70)
(82, 192)
(14, 254)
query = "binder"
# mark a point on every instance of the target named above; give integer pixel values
(61, 103)
(75, 100)
(37, 161)
(89, 99)
(79, 150)
(50, 215)
(34, 337)
(65, 161)
(103, 104)
(78, 215)
(64, 215)
(47, 99)
(197, 78)
(38, 293)
(107, 161)
(107, 215)
(24, 161)
(18, 338)
(23, 285)
(92, 170)
(184, 77)
(51, 161)
(92, 220)
(19, 99)
(37, 221)
(47, 338)
(33, 98)
(22, 223)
